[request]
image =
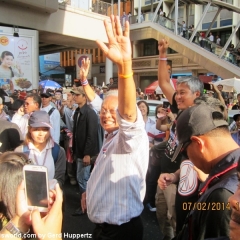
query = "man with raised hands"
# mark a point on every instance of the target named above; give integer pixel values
(116, 187)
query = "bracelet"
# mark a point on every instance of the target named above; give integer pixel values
(163, 59)
(10, 227)
(125, 76)
(85, 82)
(174, 176)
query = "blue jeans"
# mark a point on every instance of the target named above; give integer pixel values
(83, 174)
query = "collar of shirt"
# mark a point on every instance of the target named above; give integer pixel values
(50, 144)
(110, 135)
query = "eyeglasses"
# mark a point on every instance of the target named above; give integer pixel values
(105, 111)
(184, 148)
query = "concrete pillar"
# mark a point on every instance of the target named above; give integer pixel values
(197, 15)
(195, 73)
(95, 81)
(108, 70)
(236, 18)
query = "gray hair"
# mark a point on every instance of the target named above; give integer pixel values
(194, 84)
(111, 93)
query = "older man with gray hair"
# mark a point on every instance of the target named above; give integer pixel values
(116, 187)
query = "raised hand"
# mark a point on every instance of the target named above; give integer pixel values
(163, 46)
(84, 69)
(119, 46)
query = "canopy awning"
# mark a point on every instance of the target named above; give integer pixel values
(155, 87)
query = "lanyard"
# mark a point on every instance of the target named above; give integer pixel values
(44, 160)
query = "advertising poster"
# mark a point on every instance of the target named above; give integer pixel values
(15, 63)
(79, 58)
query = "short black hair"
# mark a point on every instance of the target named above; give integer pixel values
(36, 98)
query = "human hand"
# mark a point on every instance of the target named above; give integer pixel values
(214, 87)
(86, 160)
(119, 47)
(18, 67)
(22, 211)
(83, 73)
(83, 202)
(163, 46)
(164, 180)
(52, 222)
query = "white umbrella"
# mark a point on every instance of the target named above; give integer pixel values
(229, 84)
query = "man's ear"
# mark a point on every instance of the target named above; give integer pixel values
(199, 142)
(198, 94)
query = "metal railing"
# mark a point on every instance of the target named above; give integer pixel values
(229, 56)
(97, 6)
(102, 8)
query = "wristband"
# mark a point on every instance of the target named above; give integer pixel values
(163, 59)
(125, 76)
(85, 82)
(14, 230)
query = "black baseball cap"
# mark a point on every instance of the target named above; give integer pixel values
(46, 94)
(196, 121)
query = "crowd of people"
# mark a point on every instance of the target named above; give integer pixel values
(184, 165)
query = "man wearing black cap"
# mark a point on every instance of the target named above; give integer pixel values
(199, 128)
(54, 115)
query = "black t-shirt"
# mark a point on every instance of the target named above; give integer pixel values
(167, 165)
(235, 107)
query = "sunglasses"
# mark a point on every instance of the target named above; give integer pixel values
(184, 149)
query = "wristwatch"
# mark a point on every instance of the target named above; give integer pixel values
(14, 230)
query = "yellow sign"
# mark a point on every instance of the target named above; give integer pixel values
(4, 40)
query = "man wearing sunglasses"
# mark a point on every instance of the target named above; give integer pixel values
(203, 133)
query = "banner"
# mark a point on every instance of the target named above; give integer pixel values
(15, 63)
(79, 58)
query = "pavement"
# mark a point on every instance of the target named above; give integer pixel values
(81, 225)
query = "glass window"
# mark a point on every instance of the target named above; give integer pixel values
(150, 47)
(211, 9)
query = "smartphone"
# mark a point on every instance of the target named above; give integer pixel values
(207, 86)
(64, 96)
(36, 187)
(166, 104)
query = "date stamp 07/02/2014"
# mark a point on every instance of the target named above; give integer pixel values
(212, 206)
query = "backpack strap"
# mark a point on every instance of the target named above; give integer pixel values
(55, 152)
(25, 149)
(51, 111)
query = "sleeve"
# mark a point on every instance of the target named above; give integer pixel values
(233, 126)
(60, 167)
(96, 103)
(55, 122)
(151, 134)
(218, 217)
(132, 134)
(92, 134)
